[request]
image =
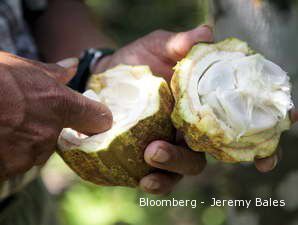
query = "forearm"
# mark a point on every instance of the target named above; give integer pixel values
(65, 30)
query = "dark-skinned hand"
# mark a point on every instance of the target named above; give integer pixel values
(34, 107)
(161, 50)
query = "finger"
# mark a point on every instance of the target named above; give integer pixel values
(83, 114)
(159, 183)
(173, 158)
(266, 164)
(64, 70)
(179, 44)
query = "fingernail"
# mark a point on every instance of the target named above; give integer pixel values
(69, 62)
(151, 184)
(160, 156)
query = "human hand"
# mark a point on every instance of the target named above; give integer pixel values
(161, 50)
(35, 106)
(182, 161)
(269, 163)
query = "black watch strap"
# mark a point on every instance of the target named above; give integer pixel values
(89, 58)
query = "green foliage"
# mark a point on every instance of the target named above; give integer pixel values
(87, 204)
(91, 205)
(213, 216)
(126, 20)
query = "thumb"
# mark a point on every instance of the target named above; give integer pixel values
(83, 114)
(64, 70)
(179, 44)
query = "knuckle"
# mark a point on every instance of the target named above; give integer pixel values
(179, 44)
(181, 35)
(64, 102)
(176, 51)
(79, 106)
(69, 106)
(58, 101)
(158, 32)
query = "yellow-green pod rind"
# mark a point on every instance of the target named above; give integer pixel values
(203, 132)
(122, 162)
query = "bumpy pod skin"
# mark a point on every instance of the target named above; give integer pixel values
(203, 132)
(122, 162)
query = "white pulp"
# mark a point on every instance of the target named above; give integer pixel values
(131, 93)
(248, 94)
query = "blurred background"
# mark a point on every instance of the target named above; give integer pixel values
(270, 26)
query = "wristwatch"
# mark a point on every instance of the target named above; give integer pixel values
(87, 61)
